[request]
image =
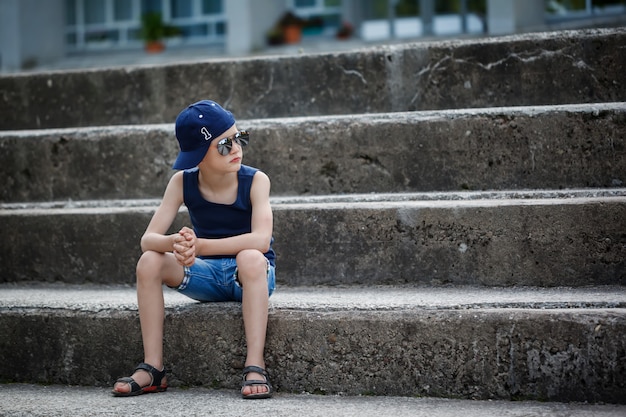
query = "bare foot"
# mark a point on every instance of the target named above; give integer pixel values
(254, 389)
(260, 388)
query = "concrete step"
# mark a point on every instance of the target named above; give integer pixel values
(550, 238)
(540, 147)
(531, 69)
(21, 400)
(551, 344)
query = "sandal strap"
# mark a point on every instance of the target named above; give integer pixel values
(134, 386)
(255, 369)
(258, 370)
(256, 382)
(155, 374)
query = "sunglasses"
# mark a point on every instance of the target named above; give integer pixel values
(225, 145)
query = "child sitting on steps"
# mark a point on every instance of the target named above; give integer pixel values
(228, 254)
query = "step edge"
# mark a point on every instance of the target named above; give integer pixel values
(419, 115)
(340, 201)
(68, 298)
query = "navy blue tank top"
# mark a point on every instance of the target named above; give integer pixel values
(216, 221)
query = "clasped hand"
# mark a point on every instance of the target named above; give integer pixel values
(185, 247)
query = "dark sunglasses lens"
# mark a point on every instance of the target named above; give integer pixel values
(242, 137)
(224, 146)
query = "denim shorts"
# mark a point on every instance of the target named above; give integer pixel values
(216, 280)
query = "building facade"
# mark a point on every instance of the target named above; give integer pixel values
(41, 31)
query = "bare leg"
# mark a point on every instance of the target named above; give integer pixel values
(153, 270)
(252, 267)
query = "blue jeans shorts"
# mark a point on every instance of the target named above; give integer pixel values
(216, 280)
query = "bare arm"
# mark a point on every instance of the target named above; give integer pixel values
(262, 223)
(155, 239)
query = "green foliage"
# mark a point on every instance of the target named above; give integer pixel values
(404, 8)
(553, 6)
(454, 6)
(154, 29)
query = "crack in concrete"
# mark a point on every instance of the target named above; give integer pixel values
(354, 72)
(527, 57)
(268, 90)
(373, 162)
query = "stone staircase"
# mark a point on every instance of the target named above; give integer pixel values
(450, 219)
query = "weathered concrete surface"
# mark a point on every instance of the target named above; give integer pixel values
(554, 353)
(505, 148)
(80, 164)
(21, 400)
(530, 69)
(547, 243)
(569, 238)
(100, 297)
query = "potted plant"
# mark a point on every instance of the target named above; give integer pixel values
(288, 29)
(153, 30)
(345, 31)
(275, 36)
(292, 27)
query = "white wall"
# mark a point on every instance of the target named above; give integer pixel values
(10, 57)
(31, 32)
(248, 23)
(510, 16)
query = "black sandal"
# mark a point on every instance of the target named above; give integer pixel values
(256, 382)
(155, 385)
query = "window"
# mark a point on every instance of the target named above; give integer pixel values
(181, 8)
(324, 15)
(574, 8)
(405, 8)
(95, 11)
(98, 24)
(70, 12)
(122, 10)
(212, 7)
(151, 6)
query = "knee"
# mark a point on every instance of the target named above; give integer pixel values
(251, 265)
(148, 265)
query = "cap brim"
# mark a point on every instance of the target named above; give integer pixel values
(189, 159)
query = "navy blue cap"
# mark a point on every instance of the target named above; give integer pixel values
(196, 127)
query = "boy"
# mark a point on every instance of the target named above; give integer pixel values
(228, 254)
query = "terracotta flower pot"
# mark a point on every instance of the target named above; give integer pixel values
(154, 47)
(292, 34)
